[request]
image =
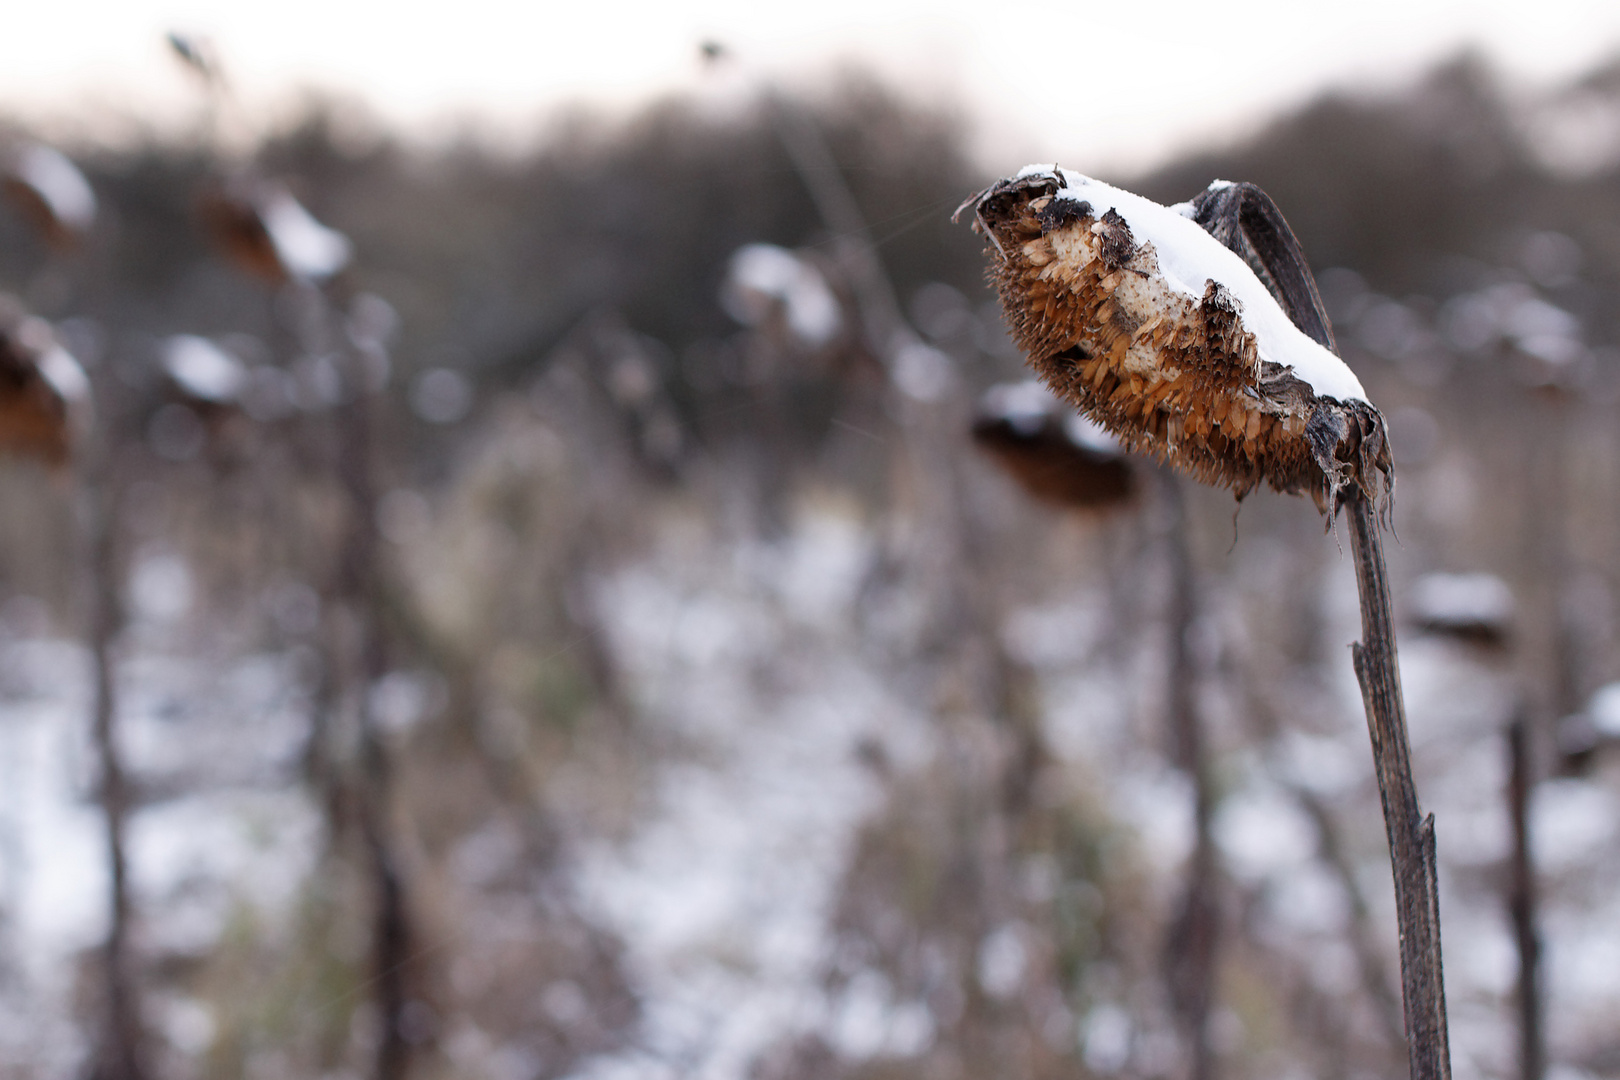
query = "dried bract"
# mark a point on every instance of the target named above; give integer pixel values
(1144, 321)
(43, 391)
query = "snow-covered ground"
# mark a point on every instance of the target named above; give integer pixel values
(750, 664)
(211, 749)
(747, 655)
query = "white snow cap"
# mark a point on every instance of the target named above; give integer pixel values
(1459, 599)
(1023, 406)
(1604, 710)
(307, 249)
(64, 374)
(1026, 405)
(202, 369)
(54, 362)
(1189, 258)
(760, 274)
(59, 182)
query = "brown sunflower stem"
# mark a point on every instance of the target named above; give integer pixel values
(1411, 835)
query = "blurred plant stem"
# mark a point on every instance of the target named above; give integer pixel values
(1369, 957)
(121, 1050)
(802, 141)
(1192, 945)
(1411, 836)
(391, 928)
(1331, 850)
(360, 782)
(1522, 903)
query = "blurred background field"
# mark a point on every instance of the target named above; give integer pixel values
(578, 617)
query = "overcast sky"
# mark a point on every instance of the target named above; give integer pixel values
(1097, 85)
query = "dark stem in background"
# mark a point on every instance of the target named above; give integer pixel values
(947, 559)
(819, 172)
(1369, 957)
(355, 778)
(358, 583)
(120, 1054)
(1331, 850)
(1193, 942)
(1411, 836)
(1522, 903)
(1548, 552)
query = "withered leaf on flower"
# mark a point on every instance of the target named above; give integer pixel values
(1152, 326)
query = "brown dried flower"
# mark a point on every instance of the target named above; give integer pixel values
(1146, 322)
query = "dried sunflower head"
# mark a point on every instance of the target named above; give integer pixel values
(1146, 322)
(44, 394)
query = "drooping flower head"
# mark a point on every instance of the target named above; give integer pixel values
(1142, 319)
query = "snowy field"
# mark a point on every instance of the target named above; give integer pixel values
(748, 659)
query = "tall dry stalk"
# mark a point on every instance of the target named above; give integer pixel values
(371, 785)
(120, 1053)
(1522, 904)
(1226, 368)
(1193, 943)
(248, 216)
(50, 410)
(1411, 835)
